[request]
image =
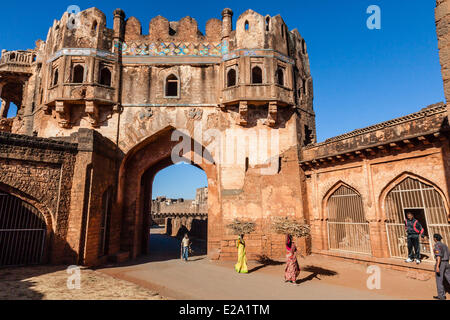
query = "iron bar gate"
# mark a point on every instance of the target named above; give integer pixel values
(22, 232)
(413, 195)
(348, 229)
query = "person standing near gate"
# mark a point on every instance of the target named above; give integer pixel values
(413, 230)
(185, 243)
(441, 253)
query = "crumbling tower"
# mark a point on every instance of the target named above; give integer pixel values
(442, 13)
(16, 75)
(268, 68)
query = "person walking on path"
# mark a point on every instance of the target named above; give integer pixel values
(241, 265)
(413, 230)
(442, 267)
(292, 269)
(185, 244)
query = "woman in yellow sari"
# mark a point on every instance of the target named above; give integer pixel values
(241, 265)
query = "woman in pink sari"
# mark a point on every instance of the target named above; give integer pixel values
(292, 268)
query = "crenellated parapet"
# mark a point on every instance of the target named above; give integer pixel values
(85, 74)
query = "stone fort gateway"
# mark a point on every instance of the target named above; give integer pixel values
(101, 111)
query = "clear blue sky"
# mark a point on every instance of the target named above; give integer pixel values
(361, 76)
(179, 181)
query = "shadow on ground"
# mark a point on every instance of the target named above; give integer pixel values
(265, 261)
(315, 273)
(163, 247)
(16, 282)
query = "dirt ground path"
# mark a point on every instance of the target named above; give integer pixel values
(50, 283)
(163, 274)
(321, 278)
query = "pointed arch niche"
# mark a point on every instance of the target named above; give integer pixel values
(347, 226)
(410, 193)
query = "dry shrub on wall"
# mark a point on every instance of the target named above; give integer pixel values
(239, 227)
(286, 225)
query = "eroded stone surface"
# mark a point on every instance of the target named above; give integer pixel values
(122, 101)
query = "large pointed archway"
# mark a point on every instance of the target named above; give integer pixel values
(136, 174)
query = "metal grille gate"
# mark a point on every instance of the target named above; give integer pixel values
(413, 194)
(22, 232)
(348, 229)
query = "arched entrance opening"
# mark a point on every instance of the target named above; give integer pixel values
(348, 228)
(136, 176)
(22, 232)
(427, 205)
(178, 206)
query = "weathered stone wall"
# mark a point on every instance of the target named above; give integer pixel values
(177, 226)
(119, 134)
(372, 161)
(97, 166)
(40, 171)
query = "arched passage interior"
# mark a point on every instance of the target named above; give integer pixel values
(178, 205)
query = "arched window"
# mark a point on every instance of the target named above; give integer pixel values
(303, 46)
(231, 78)
(427, 206)
(267, 23)
(105, 77)
(246, 26)
(55, 77)
(256, 75)
(280, 76)
(172, 86)
(348, 229)
(78, 74)
(308, 136)
(12, 110)
(94, 26)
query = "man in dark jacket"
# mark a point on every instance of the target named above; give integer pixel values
(442, 268)
(413, 231)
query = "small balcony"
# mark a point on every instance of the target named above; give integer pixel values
(98, 101)
(258, 94)
(17, 61)
(78, 93)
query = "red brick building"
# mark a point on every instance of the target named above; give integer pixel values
(101, 111)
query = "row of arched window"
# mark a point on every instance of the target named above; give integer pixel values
(348, 228)
(78, 75)
(171, 84)
(256, 76)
